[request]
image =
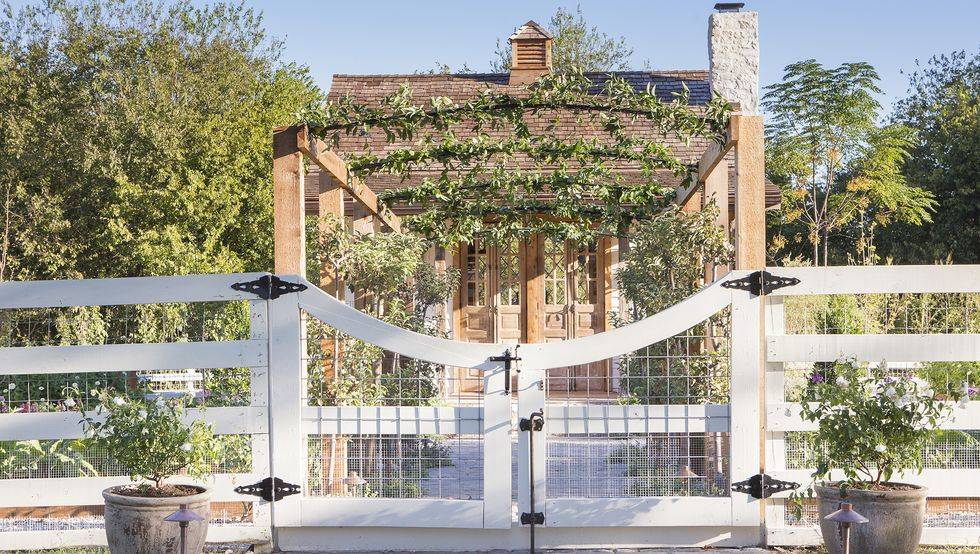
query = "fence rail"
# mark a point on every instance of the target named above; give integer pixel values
(445, 461)
(910, 337)
(36, 507)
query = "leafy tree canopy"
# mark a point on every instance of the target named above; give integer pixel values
(566, 186)
(577, 45)
(136, 138)
(838, 169)
(943, 104)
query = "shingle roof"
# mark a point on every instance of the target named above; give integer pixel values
(370, 89)
(530, 30)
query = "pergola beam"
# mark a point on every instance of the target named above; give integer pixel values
(710, 159)
(335, 169)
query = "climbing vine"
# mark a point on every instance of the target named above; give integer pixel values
(568, 186)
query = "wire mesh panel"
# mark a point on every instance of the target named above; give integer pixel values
(638, 464)
(397, 466)
(638, 425)
(388, 426)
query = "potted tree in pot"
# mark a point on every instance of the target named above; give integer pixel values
(149, 439)
(872, 425)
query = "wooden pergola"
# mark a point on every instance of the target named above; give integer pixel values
(292, 144)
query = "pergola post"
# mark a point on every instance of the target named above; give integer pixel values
(750, 191)
(288, 203)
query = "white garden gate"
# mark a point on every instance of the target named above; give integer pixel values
(695, 399)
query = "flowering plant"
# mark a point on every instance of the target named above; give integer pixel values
(148, 436)
(872, 423)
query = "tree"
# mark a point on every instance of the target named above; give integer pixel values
(836, 166)
(136, 138)
(576, 45)
(943, 104)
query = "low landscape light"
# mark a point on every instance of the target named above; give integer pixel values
(844, 517)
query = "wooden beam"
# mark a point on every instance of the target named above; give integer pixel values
(336, 173)
(712, 157)
(750, 192)
(289, 251)
(716, 192)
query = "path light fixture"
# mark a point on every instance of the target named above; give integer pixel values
(844, 517)
(183, 516)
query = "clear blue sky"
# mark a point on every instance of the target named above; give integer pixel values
(387, 36)
(402, 36)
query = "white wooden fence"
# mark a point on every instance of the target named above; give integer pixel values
(463, 496)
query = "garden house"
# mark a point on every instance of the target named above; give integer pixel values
(544, 289)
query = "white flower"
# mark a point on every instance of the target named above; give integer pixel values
(40, 388)
(93, 392)
(880, 449)
(70, 403)
(160, 401)
(11, 386)
(97, 383)
(890, 392)
(186, 447)
(841, 381)
(118, 401)
(142, 414)
(74, 385)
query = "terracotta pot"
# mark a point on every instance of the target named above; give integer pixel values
(894, 519)
(135, 525)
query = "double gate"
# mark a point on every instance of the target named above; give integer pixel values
(409, 457)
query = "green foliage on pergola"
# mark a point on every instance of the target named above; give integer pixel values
(563, 186)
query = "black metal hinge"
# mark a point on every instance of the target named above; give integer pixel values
(763, 486)
(269, 287)
(537, 518)
(269, 489)
(760, 282)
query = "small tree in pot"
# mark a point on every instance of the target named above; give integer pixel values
(149, 439)
(872, 425)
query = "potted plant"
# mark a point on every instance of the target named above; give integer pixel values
(873, 424)
(147, 436)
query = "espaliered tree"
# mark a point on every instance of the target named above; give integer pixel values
(567, 187)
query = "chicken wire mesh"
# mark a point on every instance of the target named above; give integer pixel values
(47, 459)
(946, 449)
(73, 518)
(940, 512)
(883, 313)
(638, 464)
(125, 324)
(396, 466)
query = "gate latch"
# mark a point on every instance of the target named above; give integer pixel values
(533, 423)
(269, 489)
(527, 518)
(269, 287)
(763, 486)
(760, 282)
(508, 358)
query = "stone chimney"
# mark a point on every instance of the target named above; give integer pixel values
(733, 55)
(530, 54)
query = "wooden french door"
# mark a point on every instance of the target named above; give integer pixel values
(492, 305)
